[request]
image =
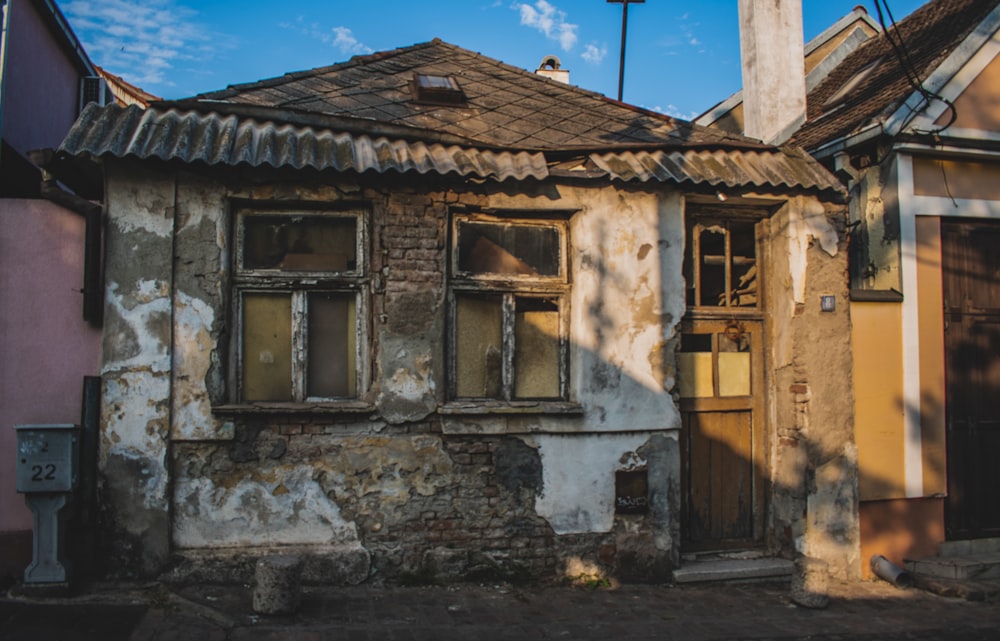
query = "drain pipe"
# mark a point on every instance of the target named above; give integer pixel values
(889, 571)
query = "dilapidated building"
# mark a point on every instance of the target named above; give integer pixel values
(423, 314)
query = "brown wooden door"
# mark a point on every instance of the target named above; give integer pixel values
(721, 388)
(971, 280)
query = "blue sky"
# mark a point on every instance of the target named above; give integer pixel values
(682, 57)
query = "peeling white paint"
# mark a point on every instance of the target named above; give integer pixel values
(137, 314)
(291, 510)
(807, 220)
(134, 413)
(193, 347)
(578, 477)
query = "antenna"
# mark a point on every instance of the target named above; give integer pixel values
(621, 65)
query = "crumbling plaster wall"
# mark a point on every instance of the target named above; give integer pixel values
(814, 508)
(401, 488)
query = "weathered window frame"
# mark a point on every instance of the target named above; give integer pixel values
(513, 292)
(695, 259)
(350, 283)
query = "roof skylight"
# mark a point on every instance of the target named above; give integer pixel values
(437, 90)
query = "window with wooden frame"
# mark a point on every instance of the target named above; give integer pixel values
(509, 315)
(720, 263)
(297, 295)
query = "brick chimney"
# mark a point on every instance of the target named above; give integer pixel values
(773, 61)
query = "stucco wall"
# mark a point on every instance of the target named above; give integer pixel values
(46, 346)
(385, 486)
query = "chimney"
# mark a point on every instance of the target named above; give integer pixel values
(550, 68)
(773, 61)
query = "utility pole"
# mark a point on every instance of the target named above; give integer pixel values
(621, 66)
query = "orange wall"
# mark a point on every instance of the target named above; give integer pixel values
(878, 394)
(977, 106)
(900, 529)
(956, 178)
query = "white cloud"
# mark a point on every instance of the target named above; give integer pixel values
(674, 112)
(142, 40)
(347, 43)
(550, 20)
(340, 37)
(594, 54)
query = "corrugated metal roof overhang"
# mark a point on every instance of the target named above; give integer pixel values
(229, 139)
(219, 139)
(720, 168)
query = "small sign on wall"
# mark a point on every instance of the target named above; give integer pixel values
(631, 492)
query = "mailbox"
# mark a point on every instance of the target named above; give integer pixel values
(47, 458)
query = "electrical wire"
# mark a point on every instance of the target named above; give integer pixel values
(898, 45)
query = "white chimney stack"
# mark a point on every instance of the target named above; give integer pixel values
(551, 67)
(774, 79)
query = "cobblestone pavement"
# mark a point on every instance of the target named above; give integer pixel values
(864, 611)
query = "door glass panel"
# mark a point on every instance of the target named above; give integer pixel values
(536, 353)
(478, 347)
(332, 340)
(695, 370)
(734, 363)
(267, 347)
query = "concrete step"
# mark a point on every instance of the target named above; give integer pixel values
(970, 547)
(964, 568)
(725, 570)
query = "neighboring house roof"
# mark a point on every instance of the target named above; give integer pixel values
(870, 85)
(126, 93)
(364, 114)
(822, 54)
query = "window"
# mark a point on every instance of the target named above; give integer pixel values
(509, 293)
(720, 265)
(297, 294)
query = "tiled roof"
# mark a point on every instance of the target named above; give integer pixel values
(505, 106)
(930, 34)
(362, 116)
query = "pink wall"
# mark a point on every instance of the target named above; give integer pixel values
(41, 86)
(46, 348)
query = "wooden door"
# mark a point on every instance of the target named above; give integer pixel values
(722, 440)
(971, 280)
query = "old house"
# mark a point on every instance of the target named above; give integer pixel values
(423, 314)
(49, 334)
(909, 123)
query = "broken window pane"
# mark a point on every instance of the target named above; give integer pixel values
(720, 268)
(267, 347)
(509, 249)
(300, 243)
(479, 347)
(743, 250)
(536, 353)
(332, 362)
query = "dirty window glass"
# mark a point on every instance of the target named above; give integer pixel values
(510, 318)
(267, 347)
(332, 343)
(300, 243)
(536, 352)
(479, 346)
(298, 284)
(509, 249)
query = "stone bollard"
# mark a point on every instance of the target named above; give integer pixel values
(278, 584)
(810, 583)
